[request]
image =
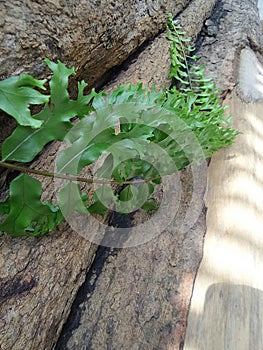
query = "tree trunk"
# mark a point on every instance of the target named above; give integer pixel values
(227, 302)
(93, 36)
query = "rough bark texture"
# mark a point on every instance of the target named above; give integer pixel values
(138, 297)
(40, 278)
(151, 65)
(94, 35)
(233, 25)
(134, 298)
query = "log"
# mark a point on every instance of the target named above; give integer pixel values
(227, 303)
(93, 36)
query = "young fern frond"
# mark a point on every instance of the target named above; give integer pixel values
(179, 69)
(195, 98)
(183, 64)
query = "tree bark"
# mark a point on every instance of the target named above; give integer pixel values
(93, 36)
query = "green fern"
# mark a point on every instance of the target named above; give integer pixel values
(150, 142)
(195, 97)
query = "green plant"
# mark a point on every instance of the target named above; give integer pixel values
(133, 127)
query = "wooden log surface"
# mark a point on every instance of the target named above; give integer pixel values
(227, 304)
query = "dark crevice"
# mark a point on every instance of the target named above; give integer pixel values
(15, 286)
(218, 13)
(116, 220)
(209, 29)
(83, 293)
(113, 73)
(211, 25)
(87, 288)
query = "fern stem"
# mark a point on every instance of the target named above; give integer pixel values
(67, 176)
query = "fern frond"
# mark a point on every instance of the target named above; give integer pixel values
(179, 68)
(194, 97)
